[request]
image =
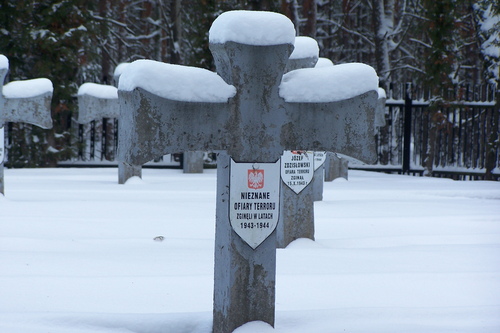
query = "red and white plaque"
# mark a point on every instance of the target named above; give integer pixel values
(254, 193)
(297, 169)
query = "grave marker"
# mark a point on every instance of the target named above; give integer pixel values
(25, 101)
(297, 206)
(192, 161)
(100, 101)
(251, 113)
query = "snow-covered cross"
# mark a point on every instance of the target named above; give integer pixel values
(26, 101)
(251, 113)
(100, 101)
(299, 180)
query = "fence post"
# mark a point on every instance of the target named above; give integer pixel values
(407, 130)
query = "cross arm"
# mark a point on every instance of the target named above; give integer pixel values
(97, 101)
(344, 127)
(26, 101)
(28, 109)
(152, 126)
(331, 109)
(170, 108)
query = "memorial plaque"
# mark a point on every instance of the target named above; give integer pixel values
(297, 169)
(254, 200)
(319, 159)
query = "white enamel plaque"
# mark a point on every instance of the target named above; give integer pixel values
(2, 144)
(297, 169)
(319, 159)
(254, 193)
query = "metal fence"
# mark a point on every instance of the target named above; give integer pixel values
(455, 137)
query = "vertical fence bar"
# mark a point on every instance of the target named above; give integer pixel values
(92, 140)
(407, 130)
(115, 137)
(104, 138)
(80, 142)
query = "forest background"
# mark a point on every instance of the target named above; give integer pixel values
(435, 43)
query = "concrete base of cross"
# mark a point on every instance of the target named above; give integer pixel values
(335, 167)
(192, 162)
(127, 171)
(317, 184)
(296, 215)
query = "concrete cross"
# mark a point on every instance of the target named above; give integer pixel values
(99, 101)
(192, 161)
(255, 115)
(299, 181)
(25, 101)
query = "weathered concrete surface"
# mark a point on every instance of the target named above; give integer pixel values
(296, 216)
(317, 183)
(92, 108)
(127, 171)
(335, 167)
(192, 162)
(294, 64)
(33, 110)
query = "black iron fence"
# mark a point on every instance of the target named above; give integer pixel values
(455, 136)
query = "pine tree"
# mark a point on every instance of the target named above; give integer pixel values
(43, 39)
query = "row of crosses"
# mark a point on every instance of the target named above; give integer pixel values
(250, 124)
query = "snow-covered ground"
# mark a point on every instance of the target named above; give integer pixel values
(392, 254)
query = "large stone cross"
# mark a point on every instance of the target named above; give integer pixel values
(251, 114)
(25, 101)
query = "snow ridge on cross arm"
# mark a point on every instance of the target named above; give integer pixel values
(27, 88)
(98, 90)
(328, 84)
(175, 82)
(305, 47)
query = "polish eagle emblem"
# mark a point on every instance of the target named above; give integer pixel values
(255, 178)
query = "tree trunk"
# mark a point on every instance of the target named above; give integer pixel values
(104, 31)
(492, 146)
(309, 10)
(381, 39)
(291, 10)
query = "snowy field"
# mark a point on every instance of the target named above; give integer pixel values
(392, 254)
